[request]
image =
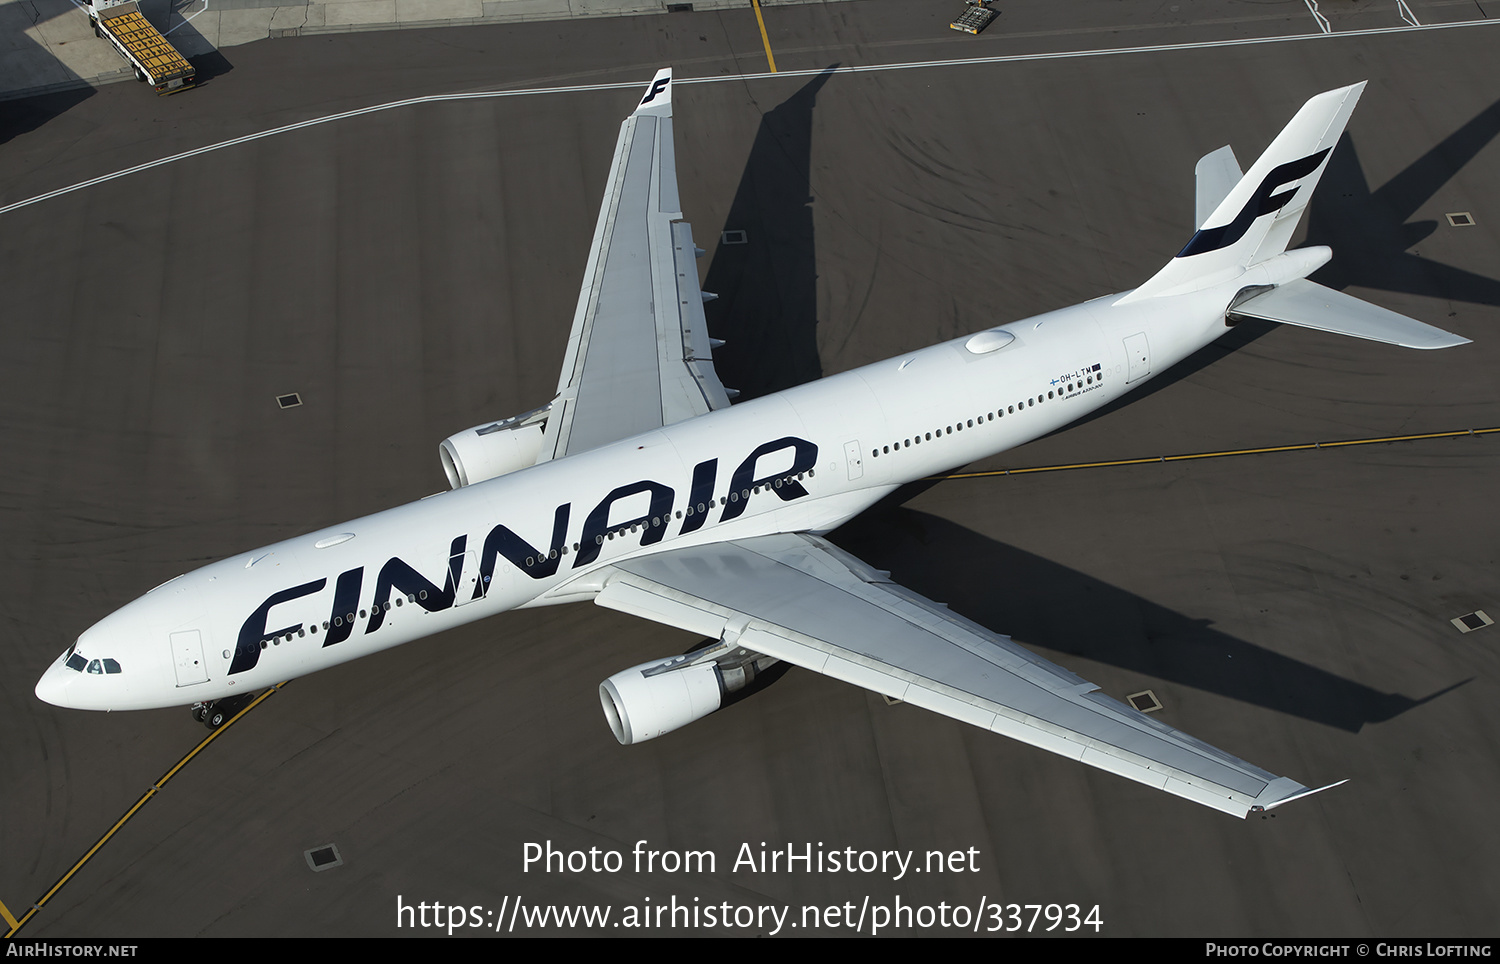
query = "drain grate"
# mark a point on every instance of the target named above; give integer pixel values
(323, 858)
(1468, 622)
(1461, 219)
(289, 401)
(734, 237)
(1145, 701)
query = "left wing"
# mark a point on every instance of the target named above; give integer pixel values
(800, 599)
(639, 355)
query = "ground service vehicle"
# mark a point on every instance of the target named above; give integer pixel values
(154, 59)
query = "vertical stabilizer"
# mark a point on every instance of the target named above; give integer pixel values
(1255, 220)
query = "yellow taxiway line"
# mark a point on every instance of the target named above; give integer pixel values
(16, 925)
(1302, 446)
(764, 39)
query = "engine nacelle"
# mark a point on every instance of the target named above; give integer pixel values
(488, 451)
(641, 707)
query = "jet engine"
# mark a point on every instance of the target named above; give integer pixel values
(492, 450)
(646, 701)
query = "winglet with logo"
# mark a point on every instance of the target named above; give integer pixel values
(658, 98)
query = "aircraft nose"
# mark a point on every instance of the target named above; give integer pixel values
(53, 686)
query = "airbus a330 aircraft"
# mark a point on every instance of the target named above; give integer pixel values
(640, 488)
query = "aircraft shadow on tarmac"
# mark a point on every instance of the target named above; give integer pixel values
(1369, 231)
(1060, 609)
(767, 311)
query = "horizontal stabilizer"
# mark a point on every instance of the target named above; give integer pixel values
(1309, 305)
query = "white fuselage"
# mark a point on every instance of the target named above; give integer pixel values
(547, 534)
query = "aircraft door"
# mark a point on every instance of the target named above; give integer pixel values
(465, 569)
(855, 459)
(1139, 355)
(187, 658)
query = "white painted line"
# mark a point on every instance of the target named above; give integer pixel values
(737, 78)
(1323, 24)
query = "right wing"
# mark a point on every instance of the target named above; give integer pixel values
(800, 599)
(639, 355)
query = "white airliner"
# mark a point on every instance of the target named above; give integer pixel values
(640, 488)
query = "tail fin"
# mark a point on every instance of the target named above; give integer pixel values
(1255, 220)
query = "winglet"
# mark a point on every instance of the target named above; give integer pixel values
(658, 98)
(1305, 792)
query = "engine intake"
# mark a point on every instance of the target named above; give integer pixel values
(640, 707)
(654, 698)
(489, 451)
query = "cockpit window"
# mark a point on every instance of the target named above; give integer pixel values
(98, 667)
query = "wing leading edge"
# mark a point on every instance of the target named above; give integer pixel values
(800, 599)
(639, 356)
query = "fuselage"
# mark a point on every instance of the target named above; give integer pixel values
(803, 460)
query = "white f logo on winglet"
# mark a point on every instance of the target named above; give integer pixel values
(657, 86)
(658, 99)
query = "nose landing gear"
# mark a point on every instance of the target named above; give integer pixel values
(215, 713)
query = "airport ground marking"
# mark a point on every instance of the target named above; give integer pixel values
(16, 925)
(763, 38)
(9, 918)
(720, 78)
(1226, 453)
